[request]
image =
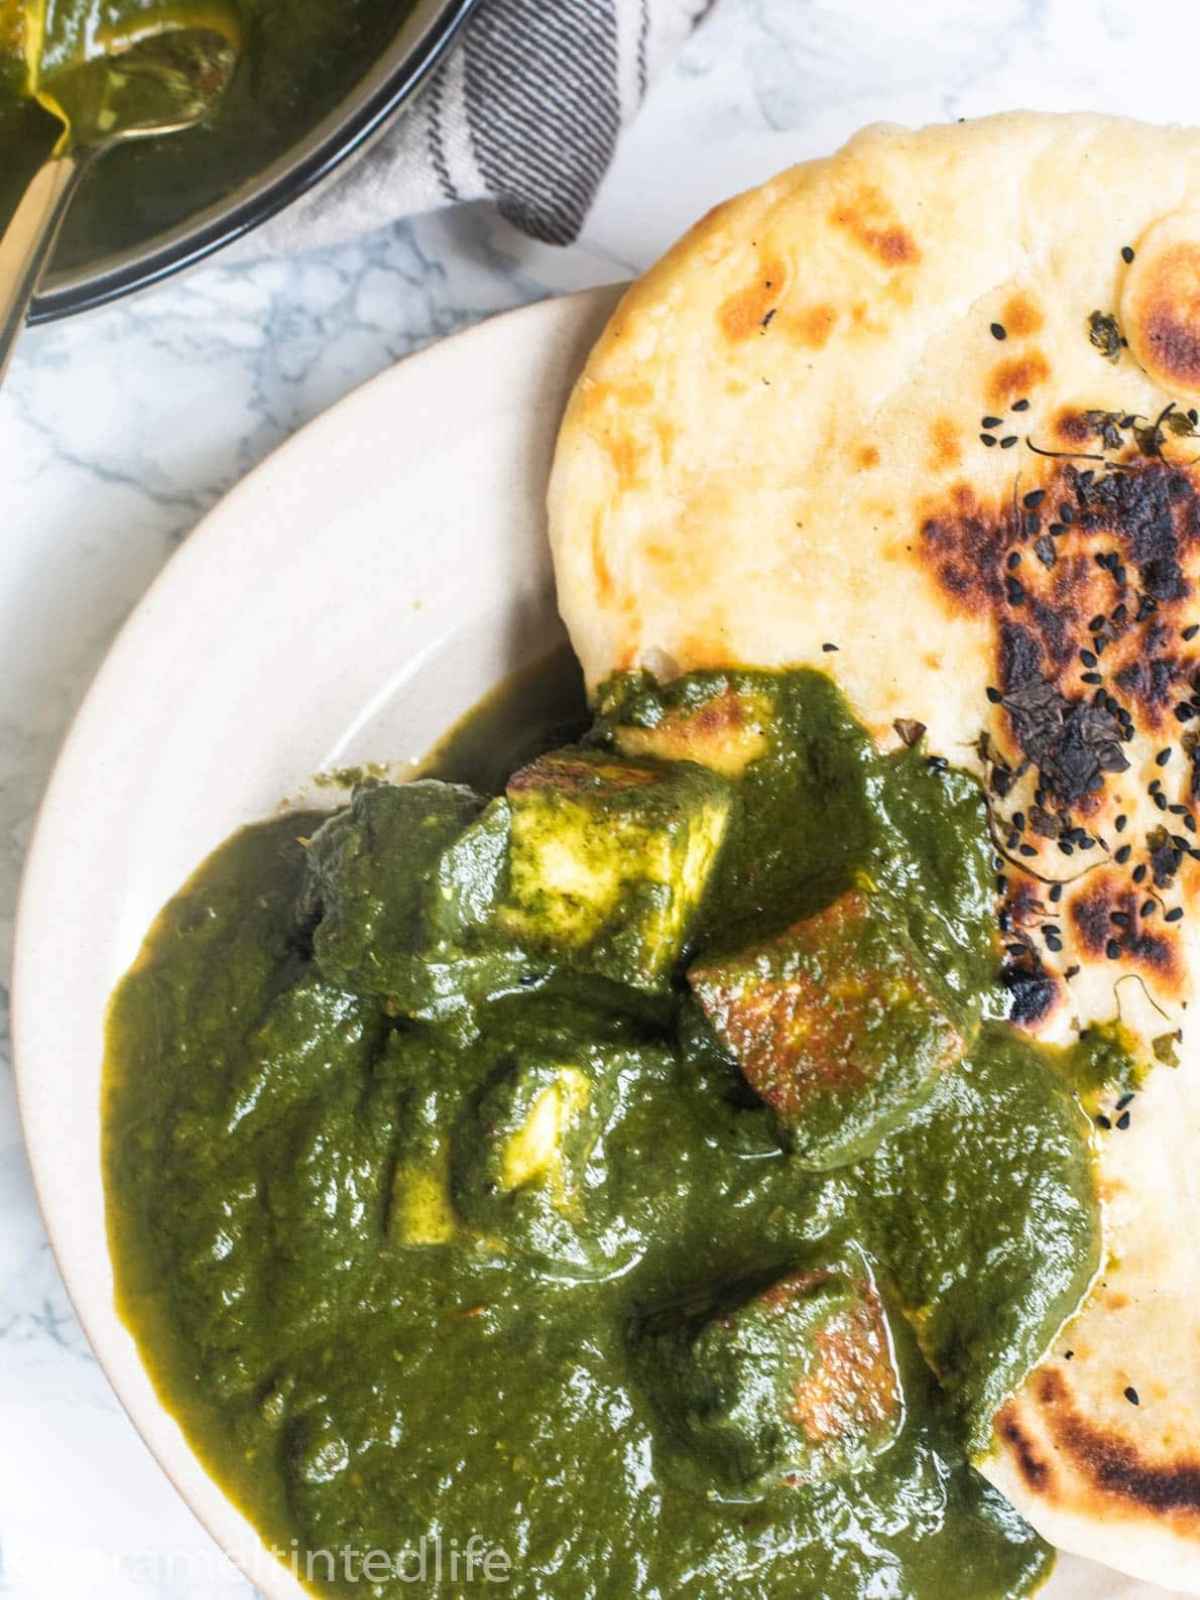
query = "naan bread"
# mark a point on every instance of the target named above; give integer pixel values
(808, 437)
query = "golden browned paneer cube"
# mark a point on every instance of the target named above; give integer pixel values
(609, 860)
(792, 1384)
(725, 732)
(838, 1024)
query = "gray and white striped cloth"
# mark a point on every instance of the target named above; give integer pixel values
(526, 112)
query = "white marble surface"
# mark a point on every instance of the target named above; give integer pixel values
(119, 429)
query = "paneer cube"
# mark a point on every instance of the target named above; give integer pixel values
(725, 732)
(520, 1162)
(609, 860)
(533, 1127)
(838, 1024)
(789, 1384)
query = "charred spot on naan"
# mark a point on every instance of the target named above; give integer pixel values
(1033, 1467)
(1105, 1468)
(749, 310)
(1016, 378)
(1115, 920)
(868, 218)
(1160, 304)
(1088, 580)
(1021, 315)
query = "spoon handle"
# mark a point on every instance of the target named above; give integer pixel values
(28, 242)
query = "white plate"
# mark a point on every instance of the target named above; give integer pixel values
(346, 603)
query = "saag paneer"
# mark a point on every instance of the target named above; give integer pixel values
(633, 1171)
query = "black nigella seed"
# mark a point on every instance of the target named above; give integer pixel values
(1013, 840)
(1008, 441)
(1139, 874)
(1001, 883)
(1148, 907)
(1120, 823)
(1126, 253)
(1177, 810)
(1020, 405)
(1096, 623)
(1028, 850)
(1066, 848)
(1131, 1395)
(1071, 972)
(990, 422)
(1018, 821)
(1191, 632)
(1015, 593)
(1088, 658)
(1032, 523)
(1034, 499)
(988, 438)
(1103, 1122)
(1160, 800)
(1189, 822)
(1125, 1100)
(1014, 950)
(1162, 758)
(1057, 529)
(828, 647)
(1067, 511)
(1055, 893)
(1123, 1121)
(999, 331)
(1112, 950)
(1120, 919)
(1091, 677)
(1054, 944)
(1174, 915)
(994, 695)
(1119, 614)
(1123, 854)
(1184, 712)
(1014, 560)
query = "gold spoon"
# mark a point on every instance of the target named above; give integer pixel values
(154, 80)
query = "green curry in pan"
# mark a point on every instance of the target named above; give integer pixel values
(627, 1178)
(300, 58)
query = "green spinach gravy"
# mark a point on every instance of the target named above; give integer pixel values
(449, 1200)
(300, 58)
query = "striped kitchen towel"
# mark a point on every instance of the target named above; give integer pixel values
(526, 112)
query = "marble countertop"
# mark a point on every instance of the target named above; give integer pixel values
(120, 428)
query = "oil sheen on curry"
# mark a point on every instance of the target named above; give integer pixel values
(299, 58)
(629, 1175)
